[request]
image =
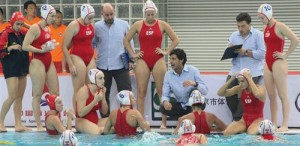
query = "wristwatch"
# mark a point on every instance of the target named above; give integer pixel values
(246, 53)
(196, 85)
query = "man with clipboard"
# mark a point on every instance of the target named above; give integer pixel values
(247, 49)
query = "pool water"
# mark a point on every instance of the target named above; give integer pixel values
(153, 139)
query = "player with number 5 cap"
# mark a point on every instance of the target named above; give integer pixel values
(253, 98)
(276, 67)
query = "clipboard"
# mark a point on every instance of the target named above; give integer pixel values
(229, 52)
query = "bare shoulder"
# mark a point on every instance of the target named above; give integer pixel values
(34, 28)
(137, 24)
(82, 93)
(164, 24)
(72, 25)
(210, 115)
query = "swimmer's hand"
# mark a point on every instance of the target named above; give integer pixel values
(160, 51)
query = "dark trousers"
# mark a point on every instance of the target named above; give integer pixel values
(234, 103)
(177, 110)
(123, 82)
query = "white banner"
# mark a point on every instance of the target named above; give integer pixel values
(215, 104)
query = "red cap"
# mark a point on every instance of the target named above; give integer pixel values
(50, 98)
(16, 16)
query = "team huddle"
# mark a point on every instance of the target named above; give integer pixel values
(181, 89)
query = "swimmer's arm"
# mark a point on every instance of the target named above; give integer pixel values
(202, 138)
(258, 91)
(224, 91)
(141, 121)
(30, 36)
(286, 31)
(56, 122)
(81, 97)
(126, 41)
(218, 122)
(175, 40)
(108, 128)
(71, 30)
(104, 106)
(188, 116)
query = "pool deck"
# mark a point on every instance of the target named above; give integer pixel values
(170, 130)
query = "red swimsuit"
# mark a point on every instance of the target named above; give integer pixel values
(121, 126)
(253, 107)
(92, 115)
(200, 123)
(51, 132)
(150, 38)
(273, 44)
(46, 57)
(82, 43)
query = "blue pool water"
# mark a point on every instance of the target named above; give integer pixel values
(36, 138)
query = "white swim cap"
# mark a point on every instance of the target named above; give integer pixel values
(123, 97)
(241, 73)
(266, 127)
(93, 74)
(86, 9)
(149, 5)
(68, 138)
(46, 10)
(266, 10)
(196, 97)
(186, 126)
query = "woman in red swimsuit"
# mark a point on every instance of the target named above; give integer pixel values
(253, 98)
(151, 56)
(89, 99)
(53, 124)
(125, 120)
(79, 39)
(42, 69)
(201, 119)
(276, 67)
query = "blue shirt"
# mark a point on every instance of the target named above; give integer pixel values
(254, 42)
(173, 84)
(108, 42)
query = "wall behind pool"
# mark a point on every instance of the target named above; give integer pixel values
(215, 104)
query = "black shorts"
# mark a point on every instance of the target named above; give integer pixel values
(177, 110)
(16, 64)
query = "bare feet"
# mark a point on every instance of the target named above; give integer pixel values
(282, 129)
(40, 129)
(2, 128)
(22, 128)
(162, 126)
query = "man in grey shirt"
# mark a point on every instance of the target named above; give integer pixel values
(108, 41)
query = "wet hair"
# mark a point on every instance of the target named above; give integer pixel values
(180, 54)
(26, 4)
(243, 17)
(58, 12)
(1, 11)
